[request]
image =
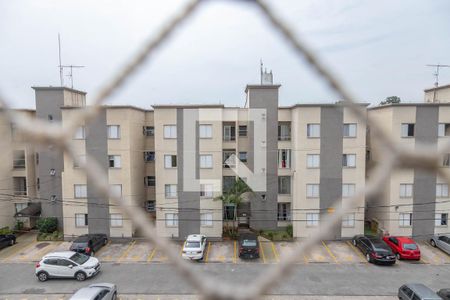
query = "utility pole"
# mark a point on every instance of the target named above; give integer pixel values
(436, 75)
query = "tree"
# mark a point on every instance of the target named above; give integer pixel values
(235, 195)
(390, 100)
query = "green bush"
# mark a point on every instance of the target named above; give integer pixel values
(47, 225)
(54, 236)
(290, 230)
(19, 225)
(5, 230)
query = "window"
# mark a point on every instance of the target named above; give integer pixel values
(170, 131)
(284, 211)
(81, 220)
(242, 130)
(312, 191)
(81, 159)
(206, 161)
(80, 133)
(170, 190)
(205, 131)
(284, 158)
(441, 190)
(313, 130)
(116, 190)
(227, 182)
(37, 158)
(20, 186)
(228, 211)
(19, 159)
(348, 220)
(170, 161)
(150, 181)
(113, 132)
(243, 156)
(443, 129)
(312, 219)
(349, 130)
(284, 185)
(38, 183)
(229, 133)
(284, 131)
(206, 219)
(441, 220)
(313, 161)
(171, 220)
(114, 161)
(150, 205)
(446, 160)
(408, 130)
(405, 219)
(80, 190)
(206, 190)
(227, 154)
(349, 160)
(348, 190)
(148, 130)
(149, 156)
(20, 206)
(116, 220)
(406, 190)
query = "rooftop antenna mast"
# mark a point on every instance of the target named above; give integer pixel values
(261, 70)
(436, 75)
(61, 66)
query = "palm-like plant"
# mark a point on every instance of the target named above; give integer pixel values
(235, 195)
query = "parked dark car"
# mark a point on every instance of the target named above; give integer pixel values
(248, 246)
(444, 294)
(7, 240)
(416, 291)
(375, 250)
(89, 243)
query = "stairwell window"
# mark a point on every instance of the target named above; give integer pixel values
(312, 190)
(116, 220)
(242, 130)
(206, 161)
(113, 132)
(313, 161)
(348, 190)
(80, 191)
(114, 161)
(408, 130)
(406, 190)
(170, 131)
(441, 190)
(441, 220)
(229, 132)
(170, 161)
(284, 158)
(349, 130)
(81, 220)
(171, 220)
(349, 160)
(205, 131)
(443, 129)
(116, 190)
(284, 185)
(312, 219)
(405, 219)
(348, 220)
(206, 190)
(206, 220)
(80, 133)
(170, 191)
(313, 130)
(284, 131)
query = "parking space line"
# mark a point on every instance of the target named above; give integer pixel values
(99, 251)
(125, 253)
(235, 253)
(262, 252)
(363, 259)
(26, 246)
(329, 252)
(150, 257)
(207, 251)
(181, 250)
(277, 257)
(45, 250)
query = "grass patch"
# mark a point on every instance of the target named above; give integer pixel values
(276, 235)
(55, 236)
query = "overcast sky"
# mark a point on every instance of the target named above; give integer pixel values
(378, 48)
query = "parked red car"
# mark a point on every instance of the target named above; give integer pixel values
(403, 247)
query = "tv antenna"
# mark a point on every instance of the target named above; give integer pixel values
(436, 73)
(61, 66)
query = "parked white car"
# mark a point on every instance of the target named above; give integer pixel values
(104, 291)
(67, 264)
(441, 241)
(194, 247)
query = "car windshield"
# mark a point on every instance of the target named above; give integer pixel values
(79, 258)
(249, 243)
(410, 246)
(191, 244)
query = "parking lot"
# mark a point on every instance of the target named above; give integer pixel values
(28, 249)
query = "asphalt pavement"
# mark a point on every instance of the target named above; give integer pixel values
(308, 279)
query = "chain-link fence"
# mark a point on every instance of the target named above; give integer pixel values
(38, 132)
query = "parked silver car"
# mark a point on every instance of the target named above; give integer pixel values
(441, 241)
(413, 291)
(103, 291)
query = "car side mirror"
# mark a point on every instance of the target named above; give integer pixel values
(70, 266)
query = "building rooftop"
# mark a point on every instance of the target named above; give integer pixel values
(437, 88)
(55, 88)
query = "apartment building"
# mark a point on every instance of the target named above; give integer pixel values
(414, 202)
(174, 161)
(437, 94)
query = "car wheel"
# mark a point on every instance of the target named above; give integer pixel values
(368, 258)
(42, 276)
(105, 241)
(398, 256)
(433, 243)
(92, 253)
(354, 243)
(11, 242)
(80, 276)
